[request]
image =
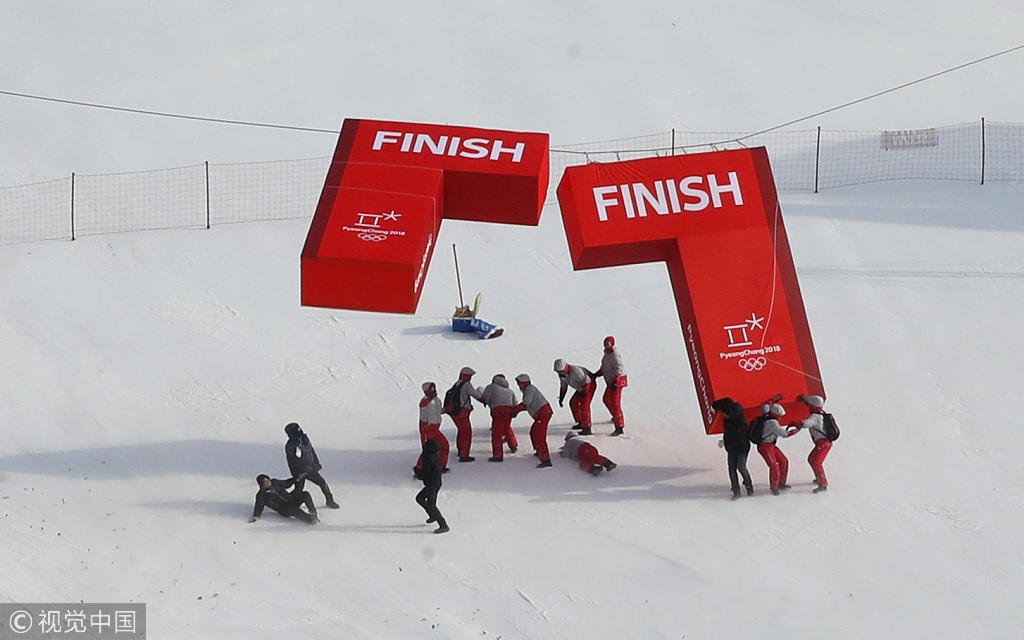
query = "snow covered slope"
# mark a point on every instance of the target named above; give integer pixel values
(149, 376)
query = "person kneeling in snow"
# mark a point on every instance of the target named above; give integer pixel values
(590, 458)
(274, 493)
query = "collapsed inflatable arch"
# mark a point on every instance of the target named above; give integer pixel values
(714, 220)
(390, 185)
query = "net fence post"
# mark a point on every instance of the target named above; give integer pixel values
(817, 159)
(206, 165)
(982, 150)
(72, 205)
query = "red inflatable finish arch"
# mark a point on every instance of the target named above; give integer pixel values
(714, 219)
(389, 186)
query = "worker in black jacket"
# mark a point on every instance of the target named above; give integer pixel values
(304, 463)
(736, 442)
(274, 493)
(430, 474)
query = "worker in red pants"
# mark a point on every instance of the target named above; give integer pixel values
(584, 384)
(459, 406)
(535, 404)
(778, 463)
(430, 424)
(501, 400)
(614, 380)
(590, 458)
(815, 425)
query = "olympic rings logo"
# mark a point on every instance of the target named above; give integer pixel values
(753, 364)
(373, 237)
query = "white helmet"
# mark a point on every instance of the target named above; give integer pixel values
(561, 365)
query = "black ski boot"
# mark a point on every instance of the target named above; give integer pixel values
(442, 526)
(617, 432)
(750, 489)
(466, 458)
(495, 459)
(543, 464)
(586, 431)
(735, 494)
(820, 489)
(608, 466)
(331, 504)
(596, 470)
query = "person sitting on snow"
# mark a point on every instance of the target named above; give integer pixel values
(274, 493)
(590, 458)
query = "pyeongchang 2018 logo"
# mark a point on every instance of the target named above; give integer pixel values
(375, 227)
(748, 357)
(689, 194)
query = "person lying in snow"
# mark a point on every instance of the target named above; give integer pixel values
(590, 458)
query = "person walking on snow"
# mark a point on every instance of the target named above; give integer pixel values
(584, 384)
(459, 409)
(536, 405)
(590, 458)
(500, 399)
(304, 463)
(430, 475)
(778, 463)
(430, 424)
(815, 425)
(614, 380)
(274, 493)
(736, 443)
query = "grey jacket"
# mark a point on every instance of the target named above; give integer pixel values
(533, 399)
(466, 394)
(577, 378)
(611, 366)
(571, 447)
(773, 431)
(815, 425)
(431, 413)
(497, 394)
